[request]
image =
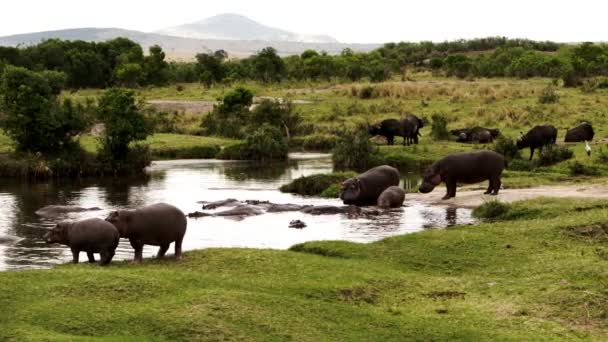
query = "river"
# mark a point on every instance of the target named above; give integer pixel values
(183, 183)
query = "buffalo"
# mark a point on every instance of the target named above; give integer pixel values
(475, 134)
(389, 128)
(411, 125)
(537, 137)
(580, 133)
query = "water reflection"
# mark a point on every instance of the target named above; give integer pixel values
(183, 183)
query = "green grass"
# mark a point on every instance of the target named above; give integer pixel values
(523, 279)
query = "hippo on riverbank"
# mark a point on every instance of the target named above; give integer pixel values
(392, 197)
(91, 236)
(365, 188)
(158, 225)
(537, 137)
(465, 167)
(56, 210)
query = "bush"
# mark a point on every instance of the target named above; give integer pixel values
(579, 169)
(553, 154)
(439, 127)
(602, 155)
(265, 143)
(507, 147)
(491, 210)
(521, 165)
(316, 185)
(137, 158)
(367, 93)
(34, 117)
(194, 152)
(229, 118)
(353, 150)
(280, 115)
(548, 95)
(315, 142)
(124, 123)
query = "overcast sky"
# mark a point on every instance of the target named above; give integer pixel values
(351, 21)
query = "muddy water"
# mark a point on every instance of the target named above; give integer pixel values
(183, 184)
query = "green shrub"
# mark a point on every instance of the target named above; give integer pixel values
(229, 118)
(439, 127)
(137, 158)
(353, 150)
(194, 152)
(491, 210)
(553, 154)
(579, 169)
(316, 185)
(549, 95)
(521, 165)
(315, 142)
(277, 114)
(602, 155)
(265, 143)
(507, 147)
(368, 92)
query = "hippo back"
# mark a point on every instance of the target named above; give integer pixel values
(93, 235)
(157, 223)
(375, 181)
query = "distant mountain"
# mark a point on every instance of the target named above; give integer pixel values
(238, 27)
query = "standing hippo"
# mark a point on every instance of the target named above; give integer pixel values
(92, 236)
(392, 197)
(465, 167)
(389, 128)
(366, 187)
(537, 137)
(158, 225)
(580, 133)
(410, 126)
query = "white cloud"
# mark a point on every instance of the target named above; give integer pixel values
(352, 21)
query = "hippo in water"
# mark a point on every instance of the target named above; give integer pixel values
(392, 197)
(92, 236)
(537, 137)
(466, 167)
(365, 188)
(57, 210)
(158, 225)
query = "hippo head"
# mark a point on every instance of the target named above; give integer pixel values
(59, 234)
(374, 129)
(120, 219)
(350, 190)
(430, 179)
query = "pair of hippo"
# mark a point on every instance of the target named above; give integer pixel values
(408, 127)
(158, 225)
(475, 135)
(379, 186)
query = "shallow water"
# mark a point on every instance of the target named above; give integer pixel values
(183, 184)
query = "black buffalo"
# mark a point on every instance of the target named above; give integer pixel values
(389, 128)
(537, 137)
(582, 132)
(475, 134)
(411, 125)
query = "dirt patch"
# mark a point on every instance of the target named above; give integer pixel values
(445, 295)
(359, 295)
(596, 232)
(467, 198)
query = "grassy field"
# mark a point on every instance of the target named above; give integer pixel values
(537, 273)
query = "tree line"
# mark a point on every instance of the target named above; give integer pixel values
(121, 62)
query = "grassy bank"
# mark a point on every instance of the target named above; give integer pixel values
(513, 280)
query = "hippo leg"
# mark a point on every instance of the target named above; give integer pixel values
(496, 186)
(138, 246)
(106, 257)
(75, 255)
(162, 251)
(451, 188)
(489, 189)
(91, 257)
(178, 248)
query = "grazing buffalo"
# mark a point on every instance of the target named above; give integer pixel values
(476, 134)
(91, 236)
(466, 167)
(366, 187)
(389, 128)
(537, 137)
(580, 133)
(158, 225)
(411, 125)
(392, 197)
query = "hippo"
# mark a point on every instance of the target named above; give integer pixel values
(389, 128)
(158, 225)
(231, 202)
(56, 210)
(8, 239)
(331, 210)
(537, 137)
(392, 197)
(580, 133)
(241, 210)
(91, 235)
(410, 126)
(364, 189)
(475, 134)
(465, 167)
(280, 208)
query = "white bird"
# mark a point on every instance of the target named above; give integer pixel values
(587, 148)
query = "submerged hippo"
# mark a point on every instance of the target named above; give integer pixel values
(365, 188)
(56, 210)
(392, 197)
(92, 236)
(158, 225)
(466, 167)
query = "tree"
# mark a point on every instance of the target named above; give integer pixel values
(34, 118)
(277, 114)
(210, 67)
(155, 67)
(268, 66)
(129, 75)
(123, 121)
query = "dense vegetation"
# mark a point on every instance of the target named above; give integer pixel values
(517, 278)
